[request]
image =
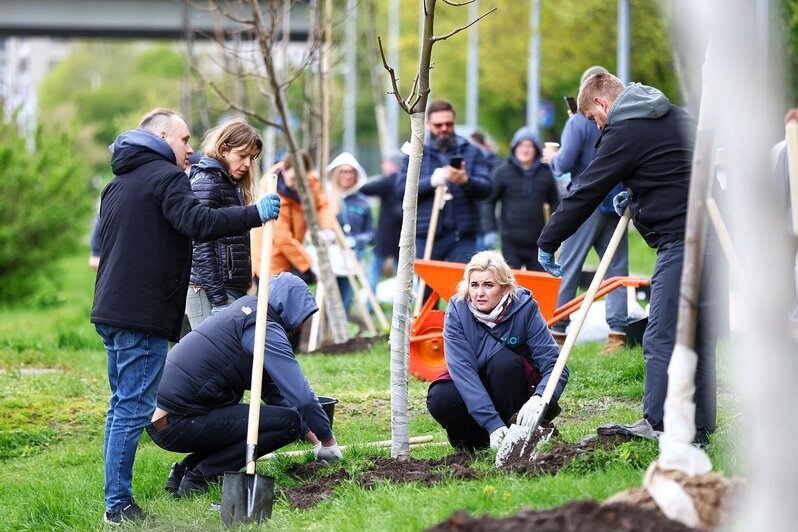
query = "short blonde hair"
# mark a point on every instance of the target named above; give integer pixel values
(235, 133)
(491, 261)
(602, 84)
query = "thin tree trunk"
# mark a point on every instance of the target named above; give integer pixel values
(338, 322)
(401, 319)
(326, 87)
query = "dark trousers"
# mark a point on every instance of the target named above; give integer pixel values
(660, 335)
(504, 380)
(217, 441)
(518, 257)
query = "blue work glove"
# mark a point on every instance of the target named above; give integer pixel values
(216, 309)
(490, 240)
(546, 260)
(269, 207)
(620, 201)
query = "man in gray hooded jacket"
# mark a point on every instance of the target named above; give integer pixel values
(647, 144)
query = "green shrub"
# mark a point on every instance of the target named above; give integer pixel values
(44, 202)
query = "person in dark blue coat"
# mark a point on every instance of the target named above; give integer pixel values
(149, 217)
(459, 220)
(199, 409)
(499, 356)
(389, 224)
(647, 144)
(221, 269)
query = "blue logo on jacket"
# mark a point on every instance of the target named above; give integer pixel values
(511, 340)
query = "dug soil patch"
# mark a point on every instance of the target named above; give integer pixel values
(577, 516)
(561, 454)
(426, 472)
(353, 345)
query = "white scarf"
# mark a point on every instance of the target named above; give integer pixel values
(490, 318)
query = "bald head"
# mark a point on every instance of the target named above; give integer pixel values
(171, 127)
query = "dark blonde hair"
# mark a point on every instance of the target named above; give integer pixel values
(288, 160)
(491, 261)
(602, 84)
(235, 134)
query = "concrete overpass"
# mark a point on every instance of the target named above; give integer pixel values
(132, 19)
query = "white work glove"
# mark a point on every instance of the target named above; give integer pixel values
(497, 436)
(327, 454)
(438, 177)
(530, 410)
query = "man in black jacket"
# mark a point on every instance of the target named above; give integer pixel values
(149, 218)
(199, 409)
(647, 143)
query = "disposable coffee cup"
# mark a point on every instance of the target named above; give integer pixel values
(554, 146)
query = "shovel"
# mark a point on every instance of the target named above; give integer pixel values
(248, 497)
(522, 440)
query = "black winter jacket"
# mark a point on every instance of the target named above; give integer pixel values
(212, 365)
(149, 217)
(521, 194)
(647, 144)
(389, 225)
(225, 262)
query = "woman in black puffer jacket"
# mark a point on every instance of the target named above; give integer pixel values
(221, 270)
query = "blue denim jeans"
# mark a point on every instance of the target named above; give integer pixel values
(135, 365)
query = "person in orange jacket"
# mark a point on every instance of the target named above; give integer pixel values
(288, 251)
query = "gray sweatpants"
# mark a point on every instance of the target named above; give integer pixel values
(596, 233)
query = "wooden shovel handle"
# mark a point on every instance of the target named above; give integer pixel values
(260, 334)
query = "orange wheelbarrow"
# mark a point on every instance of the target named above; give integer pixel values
(427, 358)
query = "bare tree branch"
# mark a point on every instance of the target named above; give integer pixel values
(461, 28)
(251, 113)
(394, 79)
(458, 4)
(229, 14)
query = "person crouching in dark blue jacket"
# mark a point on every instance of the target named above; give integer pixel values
(199, 409)
(499, 355)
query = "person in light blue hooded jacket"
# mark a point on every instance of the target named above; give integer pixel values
(522, 185)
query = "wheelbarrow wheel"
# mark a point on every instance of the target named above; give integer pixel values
(427, 359)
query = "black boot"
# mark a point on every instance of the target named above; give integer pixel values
(175, 477)
(193, 483)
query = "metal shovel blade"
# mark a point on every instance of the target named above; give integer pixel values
(521, 442)
(246, 498)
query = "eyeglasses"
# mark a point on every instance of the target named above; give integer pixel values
(439, 125)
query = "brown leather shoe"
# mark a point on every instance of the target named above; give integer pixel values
(559, 337)
(615, 342)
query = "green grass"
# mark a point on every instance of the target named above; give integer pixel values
(51, 427)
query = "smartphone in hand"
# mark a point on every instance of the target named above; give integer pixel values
(570, 101)
(456, 162)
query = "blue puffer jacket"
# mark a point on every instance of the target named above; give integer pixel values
(469, 347)
(224, 263)
(212, 365)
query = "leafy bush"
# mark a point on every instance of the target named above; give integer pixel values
(44, 202)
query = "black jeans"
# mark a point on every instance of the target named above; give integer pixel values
(217, 441)
(506, 385)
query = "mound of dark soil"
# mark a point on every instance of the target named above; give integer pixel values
(576, 516)
(560, 455)
(427, 472)
(353, 345)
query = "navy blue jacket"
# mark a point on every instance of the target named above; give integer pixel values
(356, 220)
(461, 213)
(149, 218)
(225, 262)
(211, 366)
(469, 347)
(389, 224)
(647, 144)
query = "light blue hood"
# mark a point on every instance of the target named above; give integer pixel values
(638, 101)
